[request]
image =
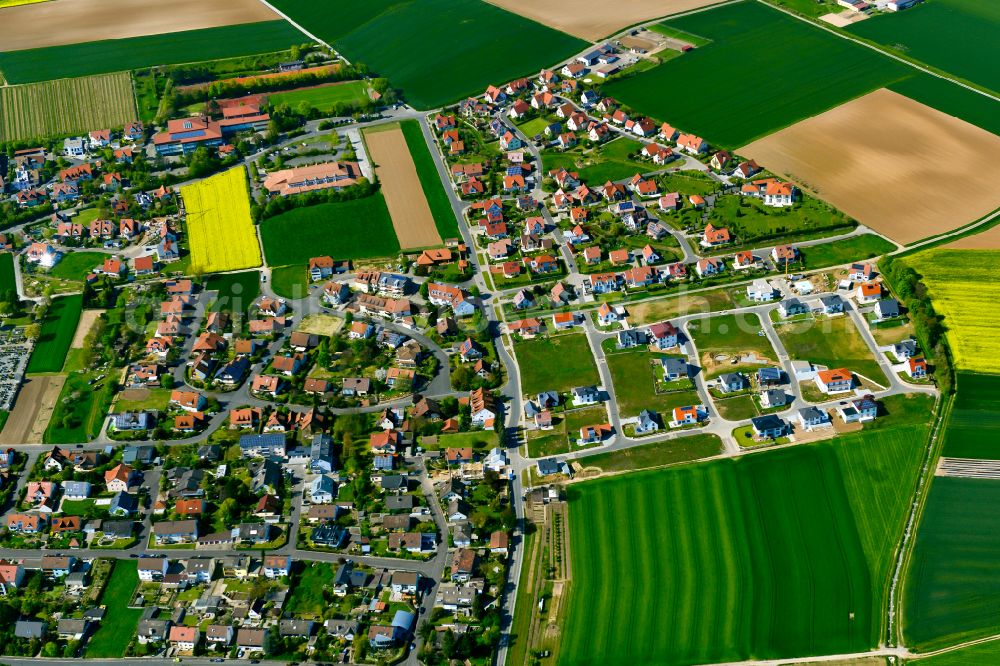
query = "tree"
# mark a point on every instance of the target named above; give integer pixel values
(33, 331)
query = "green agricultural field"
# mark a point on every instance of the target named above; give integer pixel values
(944, 96)
(818, 71)
(734, 334)
(856, 248)
(323, 97)
(70, 106)
(953, 580)
(558, 363)
(982, 653)
(430, 180)
(764, 556)
(291, 282)
(77, 265)
(956, 36)
(118, 627)
(974, 425)
(440, 50)
(237, 291)
(831, 341)
(8, 280)
(636, 374)
(967, 300)
(58, 329)
(355, 229)
(115, 55)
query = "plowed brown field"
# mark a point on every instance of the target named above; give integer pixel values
(899, 167)
(595, 19)
(32, 410)
(404, 196)
(76, 21)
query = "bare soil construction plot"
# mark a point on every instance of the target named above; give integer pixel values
(404, 195)
(844, 18)
(595, 19)
(899, 167)
(32, 410)
(75, 21)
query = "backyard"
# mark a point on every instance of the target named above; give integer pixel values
(118, 627)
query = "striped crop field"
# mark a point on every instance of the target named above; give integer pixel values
(221, 231)
(66, 106)
(767, 556)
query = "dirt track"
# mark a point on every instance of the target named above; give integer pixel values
(900, 167)
(404, 196)
(87, 319)
(75, 21)
(32, 410)
(595, 19)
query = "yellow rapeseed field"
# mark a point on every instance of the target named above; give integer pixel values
(965, 289)
(222, 234)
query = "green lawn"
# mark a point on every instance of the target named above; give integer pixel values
(77, 265)
(115, 55)
(612, 163)
(157, 398)
(469, 40)
(952, 35)
(688, 182)
(532, 127)
(667, 452)
(306, 600)
(636, 374)
(818, 71)
(974, 425)
(953, 580)
(118, 627)
(555, 364)
(291, 281)
(856, 248)
(355, 229)
(479, 439)
(430, 180)
(57, 333)
(765, 556)
(749, 219)
(237, 291)
(323, 97)
(7, 278)
(831, 341)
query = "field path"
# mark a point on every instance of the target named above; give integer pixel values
(404, 195)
